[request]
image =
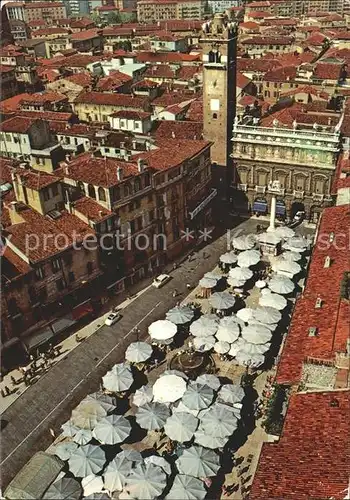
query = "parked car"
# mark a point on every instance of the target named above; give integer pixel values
(112, 318)
(160, 280)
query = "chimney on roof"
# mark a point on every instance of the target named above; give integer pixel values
(119, 173)
(327, 261)
(100, 213)
(68, 157)
(318, 303)
(14, 212)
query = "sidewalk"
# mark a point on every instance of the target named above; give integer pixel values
(67, 345)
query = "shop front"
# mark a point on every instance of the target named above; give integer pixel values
(260, 206)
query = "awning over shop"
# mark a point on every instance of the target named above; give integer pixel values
(280, 208)
(82, 310)
(62, 324)
(38, 338)
(260, 206)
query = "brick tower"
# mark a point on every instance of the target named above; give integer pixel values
(219, 47)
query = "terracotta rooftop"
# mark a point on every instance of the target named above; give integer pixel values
(36, 180)
(112, 99)
(74, 61)
(178, 130)
(132, 115)
(160, 71)
(242, 81)
(342, 175)
(166, 57)
(195, 111)
(42, 33)
(171, 98)
(47, 115)
(91, 209)
(65, 229)
(81, 23)
(19, 267)
(311, 459)
(258, 65)
(307, 89)
(327, 71)
(97, 170)
(18, 124)
(86, 34)
(281, 74)
(173, 152)
(43, 97)
(6, 69)
(299, 345)
(82, 79)
(114, 80)
(261, 40)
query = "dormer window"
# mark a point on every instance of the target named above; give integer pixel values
(331, 237)
(312, 331)
(318, 303)
(327, 261)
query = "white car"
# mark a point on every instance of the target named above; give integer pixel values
(112, 318)
(161, 280)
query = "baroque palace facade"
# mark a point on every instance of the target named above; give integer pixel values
(303, 161)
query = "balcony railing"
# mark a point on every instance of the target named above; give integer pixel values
(260, 189)
(317, 197)
(282, 132)
(203, 204)
(298, 194)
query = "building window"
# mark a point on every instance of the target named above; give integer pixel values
(101, 194)
(300, 184)
(39, 273)
(91, 191)
(56, 265)
(89, 267)
(138, 204)
(127, 189)
(46, 194)
(137, 185)
(60, 284)
(71, 277)
(54, 189)
(33, 297)
(215, 115)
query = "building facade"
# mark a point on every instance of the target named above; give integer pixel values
(150, 11)
(219, 42)
(303, 161)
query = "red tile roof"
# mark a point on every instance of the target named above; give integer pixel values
(149, 84)
(114, 80)
(171, 98)
(112, 99)
(298, 344)
(283, 74)
(249, 25)
(311, 460)
(195, 111)
(35, 179)
(316, 39)
(166, 57)
(6, 69)
(18, 124)
(327, 71)
(36, 22)
(132, 115)
(188, 72)
(261, 40)
(91, 209)
(81, 23)
(49, 75)
(82, 79)
(96, 170)
(74, 61)
(242, 81)
(257, 65)
(47, 115)
(86, 34)
(15, 260)
(160, 71)
(258, 14)
(7, 165)
(179, 130)
(173, 152)
(43, 97)
(43, 5)
(308, 89)
(342, 175)
(42, 33)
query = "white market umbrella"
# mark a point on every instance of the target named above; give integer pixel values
(209, 441)
(169, 389)
(138, 352)
(227, 321)
(284, 232)
(115, 473)
(204, 344)
(204, 327)
(83, 436)
(208, 282)
(218, 421)
(256, 334)
(88, 459)
(187, 488)
(228, 333)
(65, 450)
(221, 347)
(87, 414)
(210, 380)
(130, 455)
(248, 360)
(236, 346)
(281, 284)
(146, 482)
(241, 273)
(297, 242)
(119, 378)
(174, 372)
(181, 427)
(180, 315)
(213, 275)
(260, 284)
(162, 330)
(107, 402)
(198, 396)
(92, 484)
(180, 407)
(152, 416)
(198, 462)
(143, 395)
(159, 462)
(64, 488)
(228, 258)
(249, 258)
(286, 266)
(253, 349)
(231, 393)
(112, 430)
(268, 315)
(245, 314)
(291, 256)
(244, 242)
(222, 300)
(269, 238)
(271, 326)
(69, 429)
(273, 300)
(234, 283)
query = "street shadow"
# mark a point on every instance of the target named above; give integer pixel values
(137, 433)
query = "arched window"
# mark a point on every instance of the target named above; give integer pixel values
(218, 57)
(137, 185)
(211, 56)
(116, 193)
(101, 194)
(215, 115)
(147, 179)
(81, 187)
(127, 189)
(91, 191)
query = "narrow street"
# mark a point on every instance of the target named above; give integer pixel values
(49, 402)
